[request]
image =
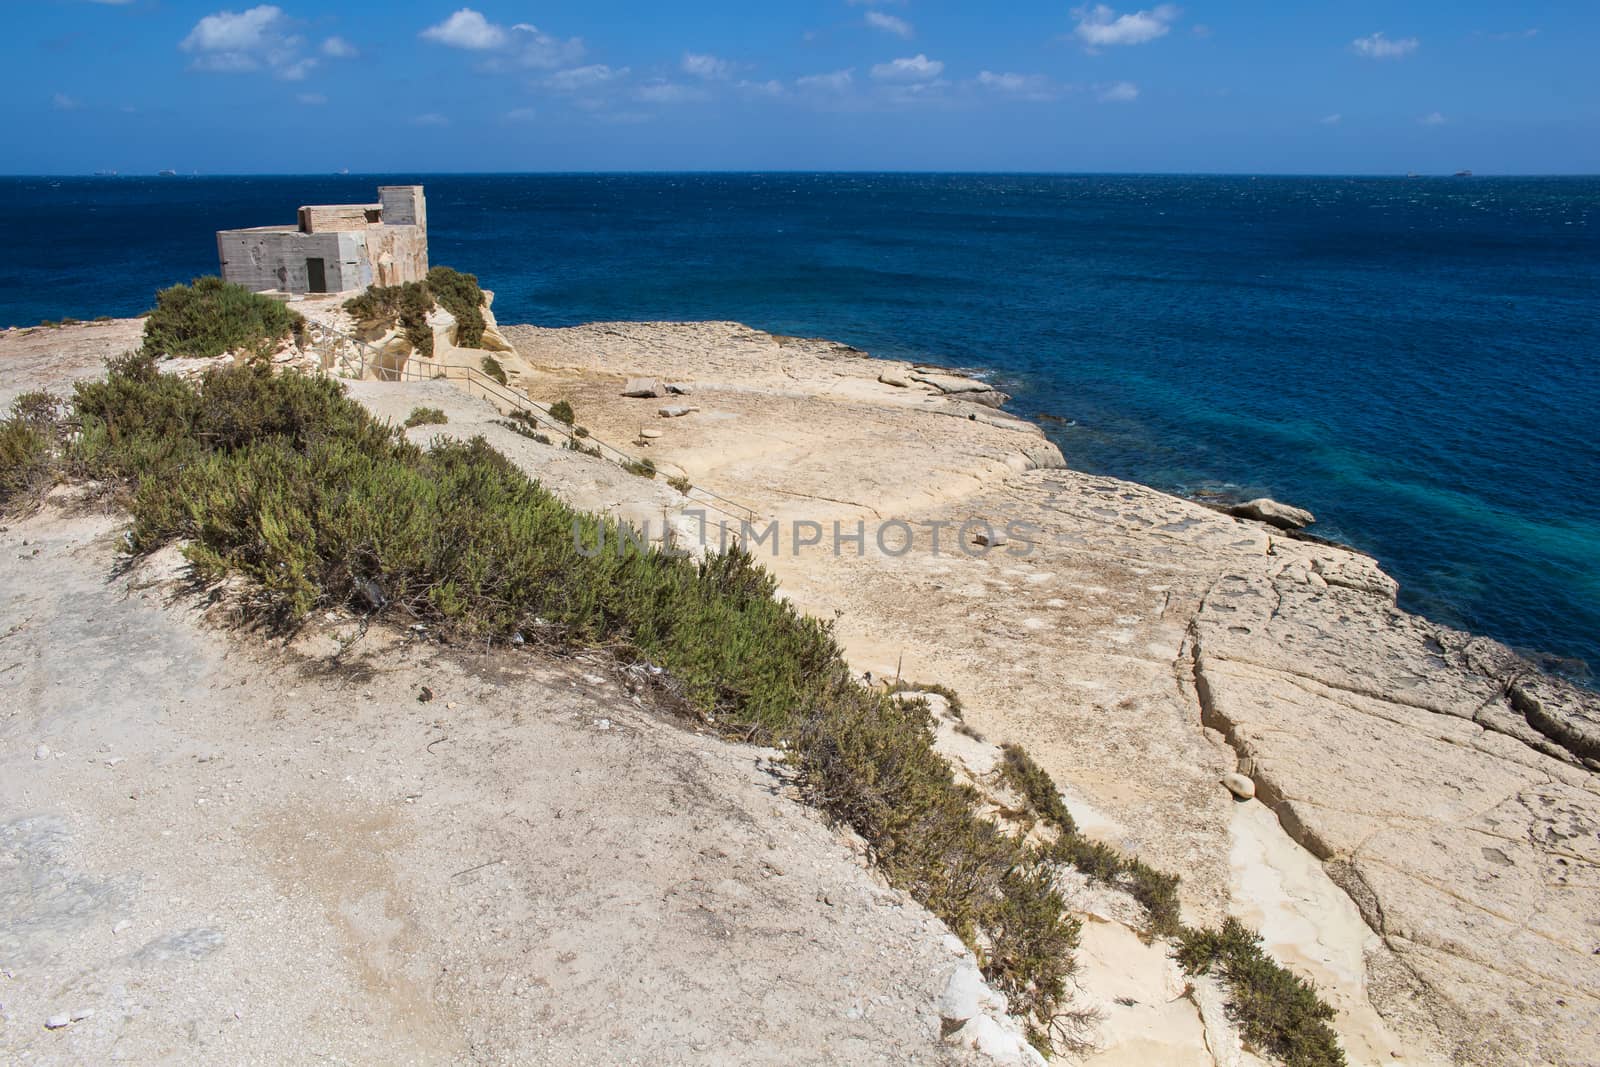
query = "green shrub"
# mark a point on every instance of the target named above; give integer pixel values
(1157, 891)
(1278, 1011)
(681, 484)
(644, 468)
(952, 701)
(1034, 783)
(211, 317)
(426, 417)
(405, 306)
(561, 411)
(30, 448)
(460, 295)
(493, 369)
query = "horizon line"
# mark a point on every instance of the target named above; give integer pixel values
(1465, 172)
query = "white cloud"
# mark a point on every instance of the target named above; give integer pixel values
(579, 79)
(1116, 93)
(1101, 27)
(63, 102)
(1433, 118)
(837, 81)
(522, 114)
(708, 67)
(431, 118)
(917, 68)
(1024, 86)
(664, 92)
(339, 48)
(312, 99)
(261, 38)
(878, 20)
(1331, 120)
(1377, 46)
(543, 51)
(766, 88)
(467, 29)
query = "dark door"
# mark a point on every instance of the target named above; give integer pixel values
(316, 276)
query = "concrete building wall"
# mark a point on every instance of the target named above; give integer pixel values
(358, 245)
(403, 205)
(277, 259)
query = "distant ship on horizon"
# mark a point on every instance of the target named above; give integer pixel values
(166, 174)
(1463, 174)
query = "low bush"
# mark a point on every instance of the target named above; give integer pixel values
(1278, 1011)
(644, 468)
(1157, 891)
(562, 411)
(951, 699)
(30, 445)
(493, 369)
(210, 317)
(681, 484)
(426, 417)
(405, 306)
(460, 295)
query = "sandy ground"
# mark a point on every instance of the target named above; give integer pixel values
(219, 850)
(53, 359)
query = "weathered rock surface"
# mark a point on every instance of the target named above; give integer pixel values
(1142, 647)
(1265, 509)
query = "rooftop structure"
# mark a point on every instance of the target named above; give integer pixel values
(333, 248)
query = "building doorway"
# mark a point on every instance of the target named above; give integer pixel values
(316, 276)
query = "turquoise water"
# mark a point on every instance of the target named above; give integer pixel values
(1413, 360)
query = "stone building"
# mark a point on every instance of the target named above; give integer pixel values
(333, 248)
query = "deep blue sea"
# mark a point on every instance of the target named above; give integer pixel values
(1413, 360)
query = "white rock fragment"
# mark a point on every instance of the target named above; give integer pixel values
(82, 1014)
(122, 926)
(673, 411)
(990, 537)
(963, 995)
(643, 387)
(1239, 785)
(42, 752)
(57, 1022)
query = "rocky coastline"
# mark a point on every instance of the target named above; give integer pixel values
(1409, 814)
(1146, 647)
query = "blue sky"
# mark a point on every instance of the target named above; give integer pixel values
(507, 85)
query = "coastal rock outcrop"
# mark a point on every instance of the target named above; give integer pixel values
(1142, 647)
(1265, 509)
